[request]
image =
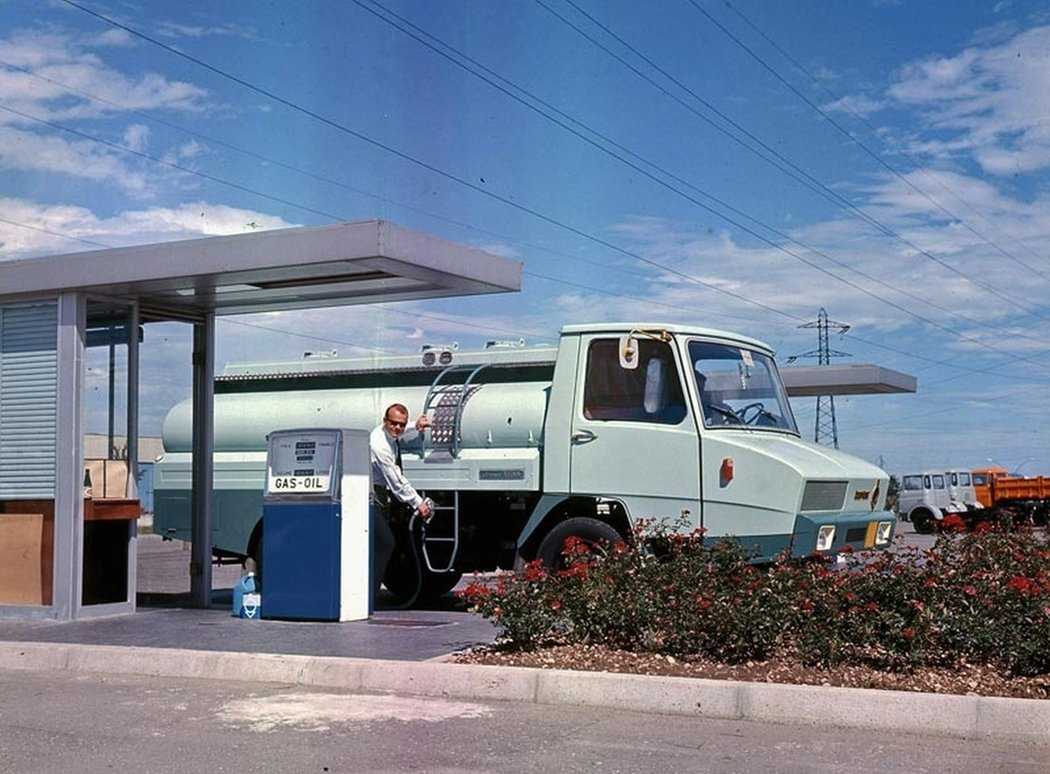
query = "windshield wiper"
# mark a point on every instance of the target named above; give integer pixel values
(727, 412)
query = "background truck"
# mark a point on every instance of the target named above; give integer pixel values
(1021, 499)
(528, 446)
(927, 498)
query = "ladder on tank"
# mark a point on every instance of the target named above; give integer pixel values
(443, 538)
(446, 400)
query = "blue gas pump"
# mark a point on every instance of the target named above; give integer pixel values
(316, 540)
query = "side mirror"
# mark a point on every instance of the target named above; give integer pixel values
(628, 352)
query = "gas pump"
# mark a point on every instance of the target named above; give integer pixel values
(316, 550)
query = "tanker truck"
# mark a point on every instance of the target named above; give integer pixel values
(616, 424)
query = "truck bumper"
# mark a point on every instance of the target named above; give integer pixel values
(830, 533)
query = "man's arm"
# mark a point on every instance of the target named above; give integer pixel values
(386, 464)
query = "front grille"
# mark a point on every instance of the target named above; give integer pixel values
(856, 534)
(824, 496)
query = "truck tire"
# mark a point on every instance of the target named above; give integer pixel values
(591, 531)
(922, 521)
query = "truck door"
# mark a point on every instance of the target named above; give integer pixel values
(633, 436)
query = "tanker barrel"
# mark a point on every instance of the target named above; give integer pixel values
(495, 415)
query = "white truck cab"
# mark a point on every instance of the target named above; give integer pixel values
(924, 499)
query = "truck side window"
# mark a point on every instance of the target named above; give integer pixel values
(612, 392)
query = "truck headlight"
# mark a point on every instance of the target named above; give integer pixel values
(882, 533)
(825, 537)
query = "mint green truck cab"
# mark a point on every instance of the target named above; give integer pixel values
(617, 424)
(693, 425)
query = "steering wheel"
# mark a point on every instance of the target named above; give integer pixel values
(758, 408)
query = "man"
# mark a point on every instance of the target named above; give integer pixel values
(716, 412)
(389, 483)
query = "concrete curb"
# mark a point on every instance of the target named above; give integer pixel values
(956, 716)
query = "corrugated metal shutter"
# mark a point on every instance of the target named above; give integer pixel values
(28, 400)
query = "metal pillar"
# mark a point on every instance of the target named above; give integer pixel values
(203, 452)
(69, 458)
(131, 491)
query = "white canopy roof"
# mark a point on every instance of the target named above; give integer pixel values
(298, 268)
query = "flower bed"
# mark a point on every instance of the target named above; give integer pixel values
(975, 600)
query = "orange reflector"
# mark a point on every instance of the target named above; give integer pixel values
(725, 473)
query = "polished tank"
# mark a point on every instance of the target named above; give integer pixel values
(489, 399)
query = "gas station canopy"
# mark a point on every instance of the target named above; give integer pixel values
(859, 379)
(298, 268)
(81, 548)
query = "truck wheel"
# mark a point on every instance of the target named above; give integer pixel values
(922, 521)
(592, 532)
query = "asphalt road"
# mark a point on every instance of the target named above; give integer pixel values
(65, 722)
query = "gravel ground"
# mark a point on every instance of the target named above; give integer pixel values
(968, 679)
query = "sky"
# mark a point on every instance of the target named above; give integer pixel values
(734, 165)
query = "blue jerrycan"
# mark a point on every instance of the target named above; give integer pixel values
(247, 597)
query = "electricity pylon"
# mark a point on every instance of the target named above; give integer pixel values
(825, 428)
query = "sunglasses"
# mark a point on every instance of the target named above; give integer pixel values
(393, 423)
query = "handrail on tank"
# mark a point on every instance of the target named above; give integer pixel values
(457, 420)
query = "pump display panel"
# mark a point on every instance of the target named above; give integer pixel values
(302, 462)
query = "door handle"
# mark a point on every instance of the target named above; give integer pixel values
(583, 436)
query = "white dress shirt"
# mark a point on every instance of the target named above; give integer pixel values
(385, 471)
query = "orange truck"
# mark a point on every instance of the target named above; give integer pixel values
(1026, 499)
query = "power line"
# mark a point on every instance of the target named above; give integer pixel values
(875, 156)
(41, 230)
(546, 218)
(861, 119)
(401, 24)
(810, 181)
(420, 163)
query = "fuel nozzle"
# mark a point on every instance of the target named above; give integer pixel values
(429, 509)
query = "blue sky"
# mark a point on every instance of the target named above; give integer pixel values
(737, 166)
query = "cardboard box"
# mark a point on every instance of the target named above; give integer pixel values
(25, 566)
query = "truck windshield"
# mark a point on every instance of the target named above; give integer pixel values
(739, 387)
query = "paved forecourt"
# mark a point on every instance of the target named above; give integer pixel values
(408, 652)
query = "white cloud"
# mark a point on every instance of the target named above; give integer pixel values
(988, 104)
(26, 151)
(175, 30)
(61, 74)
(52, 78)
(29, 228)
(857, 105)
(189, 150)
(135, 136)
(897, 283)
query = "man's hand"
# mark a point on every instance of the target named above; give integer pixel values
(422, 423)
(425, 511)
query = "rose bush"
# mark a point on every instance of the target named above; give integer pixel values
(976, 597)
